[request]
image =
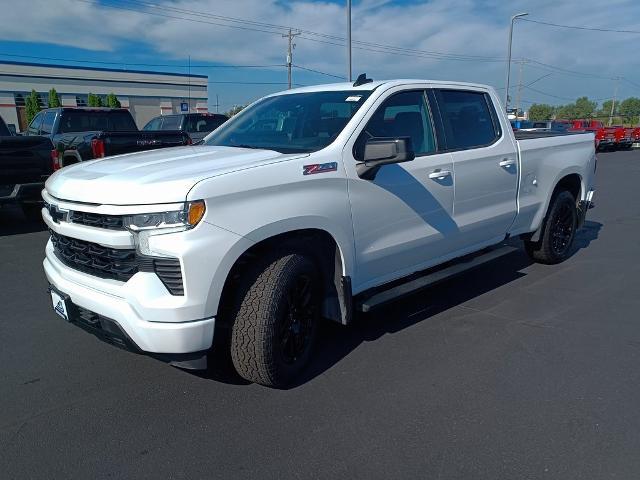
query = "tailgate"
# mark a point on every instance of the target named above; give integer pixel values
(117, 143)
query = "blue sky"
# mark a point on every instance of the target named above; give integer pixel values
(441, 39)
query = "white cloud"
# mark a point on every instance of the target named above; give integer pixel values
(468, 27)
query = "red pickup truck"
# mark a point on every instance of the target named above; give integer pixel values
(604, 140)
(607, 138)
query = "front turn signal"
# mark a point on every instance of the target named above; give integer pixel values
(195, 212)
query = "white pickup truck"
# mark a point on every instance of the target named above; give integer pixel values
(311, 203)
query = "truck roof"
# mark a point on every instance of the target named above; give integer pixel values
(375, 84)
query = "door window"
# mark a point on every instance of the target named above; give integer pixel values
(34, 126)
(404, 114)
(47, 123)
(154, 124)
(468, 118)
(172, 122)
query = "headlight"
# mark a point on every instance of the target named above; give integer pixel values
(185, 218)
(146, 225)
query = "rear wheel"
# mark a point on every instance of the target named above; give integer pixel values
(275, 320)
(558, 231)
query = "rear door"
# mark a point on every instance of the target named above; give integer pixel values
(402, 219)
(485, 164)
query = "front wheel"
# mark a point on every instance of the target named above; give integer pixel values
(275, 320)
(558, 231)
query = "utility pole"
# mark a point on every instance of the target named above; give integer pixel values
(189, 84)
(217, 105)
(349, 41)
(292, 45)
(613, 103)
(506, 94)
(519, 87)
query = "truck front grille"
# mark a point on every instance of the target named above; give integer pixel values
(111, 222)
(115, 263)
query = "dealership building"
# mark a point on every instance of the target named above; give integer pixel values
(145, 94)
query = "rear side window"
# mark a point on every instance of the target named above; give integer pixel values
(468, 118)
(154, 124)
(172, 122)
(88, 121)
(121, 122)
(47, 123)
(204, 123)
(34, 126)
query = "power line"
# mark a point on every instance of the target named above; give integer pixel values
(577, 27)
(319, 72)
(567, 71)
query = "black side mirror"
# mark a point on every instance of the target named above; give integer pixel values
(384, 151)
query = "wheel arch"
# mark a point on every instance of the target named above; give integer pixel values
(329, 254)
(567, 180)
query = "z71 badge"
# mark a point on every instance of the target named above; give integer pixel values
(319, 168)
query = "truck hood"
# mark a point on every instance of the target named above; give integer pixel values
(158, 176)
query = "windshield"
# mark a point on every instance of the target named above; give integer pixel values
(293, 123)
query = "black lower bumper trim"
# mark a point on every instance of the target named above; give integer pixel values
(110, 331)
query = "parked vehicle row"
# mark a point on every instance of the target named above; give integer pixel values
(58, 137)
(80, 134)
(616, 137)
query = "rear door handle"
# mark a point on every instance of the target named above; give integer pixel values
(507, 162)
(439, 174)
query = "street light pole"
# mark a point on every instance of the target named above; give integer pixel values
(349, 40)
(506, 95)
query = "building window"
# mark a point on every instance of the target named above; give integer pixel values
(19, 99)
(81, 100)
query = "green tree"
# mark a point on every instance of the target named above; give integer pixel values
(112, 101)
(585, 108)
(541, 111)
(94, 100)
(234, 110)
(32, 105)
(630, 108)
(566, 112)
(54, 100)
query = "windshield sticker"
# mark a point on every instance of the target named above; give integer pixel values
(319, 168)
(353, 98)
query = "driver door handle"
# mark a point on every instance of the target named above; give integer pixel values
(439, 174)
(507, 162)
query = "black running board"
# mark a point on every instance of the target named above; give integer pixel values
(431, 278)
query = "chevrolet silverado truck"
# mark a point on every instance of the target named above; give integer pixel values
(25, 163)
(80, 134)
(310, 204)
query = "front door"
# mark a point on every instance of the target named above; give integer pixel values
(402, 219)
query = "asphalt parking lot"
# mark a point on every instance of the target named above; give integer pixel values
(514, 370)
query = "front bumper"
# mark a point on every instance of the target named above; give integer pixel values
(147, 336)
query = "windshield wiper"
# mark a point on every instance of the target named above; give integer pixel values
(250, 146)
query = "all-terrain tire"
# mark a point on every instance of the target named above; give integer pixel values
(263, 315)
(558, 231)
